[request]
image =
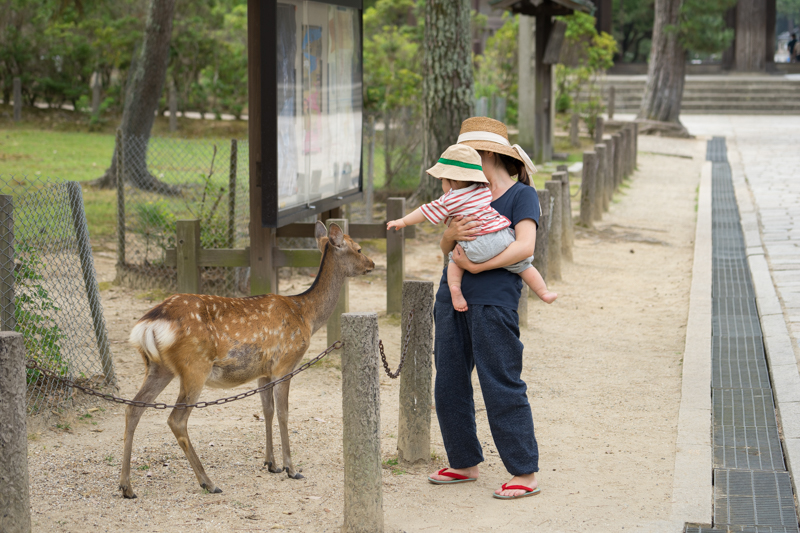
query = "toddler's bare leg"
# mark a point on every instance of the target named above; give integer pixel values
(454, 275)
(534, 280)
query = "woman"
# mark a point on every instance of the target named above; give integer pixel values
(486, 336)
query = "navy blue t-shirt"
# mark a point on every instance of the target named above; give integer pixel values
(498, 286)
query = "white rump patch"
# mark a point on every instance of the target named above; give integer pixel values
(153, 336)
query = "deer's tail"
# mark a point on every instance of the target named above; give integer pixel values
(152, 337)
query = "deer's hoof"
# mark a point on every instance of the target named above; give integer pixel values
(127, 492)
(212, 490)
(297, 475)
(272, 468)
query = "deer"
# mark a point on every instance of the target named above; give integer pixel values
(213, 341)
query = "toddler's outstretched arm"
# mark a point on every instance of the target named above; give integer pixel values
(415, 217)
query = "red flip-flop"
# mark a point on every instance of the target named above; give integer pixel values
(528, 492)
(457, 478)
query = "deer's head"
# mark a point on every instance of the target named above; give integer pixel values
(346, 253)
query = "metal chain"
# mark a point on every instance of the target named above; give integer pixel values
(389, 373)
(31, 364)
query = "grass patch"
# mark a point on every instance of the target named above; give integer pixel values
(153, 295)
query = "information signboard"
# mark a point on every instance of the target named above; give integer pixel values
(311, 107)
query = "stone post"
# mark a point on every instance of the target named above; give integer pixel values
(618, 151)
(96, 95)
(395, 257)
(588, 184)
(17, 99)
(554, 234)
(414, 428)
(600, 203)
(334, 328)
(361, 424)
(567, 232)
(15, 510)
(173, 106)
(635, 145)
(540, 249)
(574, 127)
(609, 177)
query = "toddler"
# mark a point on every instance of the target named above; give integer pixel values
(466, 194)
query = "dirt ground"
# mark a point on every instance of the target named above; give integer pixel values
(603, 367)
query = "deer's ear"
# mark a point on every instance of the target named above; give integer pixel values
(320, 232)
(336, 235)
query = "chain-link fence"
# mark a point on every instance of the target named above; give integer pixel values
(167, 180)
(48, 289)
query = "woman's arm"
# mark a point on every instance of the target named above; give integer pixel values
(460, 229)
(518, 250)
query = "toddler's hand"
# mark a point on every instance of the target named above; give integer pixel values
(396, 224)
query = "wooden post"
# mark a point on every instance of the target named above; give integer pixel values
(609, 177)
(574, 126)
(120, 148)
(526, 92)
(617, 160)
(395, 257)
(599, 184)
(188, 250)
(361, 424)
(626, 151)
(232, 171)
(635, 145)
(554, 235)
(540, 248)
(7, 320)
(369, 193)
(96, 95)
(602, 175)
(15, 510)
(588, 183)
(263, 273)
(611, 102)
(414, 427)
(567, 232)
(598, 130)
(89, 280)
(343, 304)
(17, 99)
(544, 93)
(173, 106)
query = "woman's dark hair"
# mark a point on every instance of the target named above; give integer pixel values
(516, 167)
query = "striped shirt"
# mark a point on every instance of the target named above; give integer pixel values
(473, 201)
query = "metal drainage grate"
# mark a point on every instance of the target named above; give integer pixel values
(747, 498)
(748, 448)
(743, 407)
(736, 326)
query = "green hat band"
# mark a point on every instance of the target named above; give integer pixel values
(453, 162)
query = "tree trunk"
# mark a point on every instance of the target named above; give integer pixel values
(446, 83)
(146, 81)
(666, 71)
(751, 35)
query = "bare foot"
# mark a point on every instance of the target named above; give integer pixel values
(548, 297)
(459, 303)
(471, 472)
(528, 480)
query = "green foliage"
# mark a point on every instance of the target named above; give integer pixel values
(702, 29)
(496, 71)
(591, 54)
(633, 29)
(789, 9)
(33, 312)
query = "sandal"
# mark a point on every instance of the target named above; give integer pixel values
(528, 491)
(457, 478)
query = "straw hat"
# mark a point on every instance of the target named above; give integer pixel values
(484, 133)
(461, 163)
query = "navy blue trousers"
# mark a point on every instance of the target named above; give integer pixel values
(485, 337)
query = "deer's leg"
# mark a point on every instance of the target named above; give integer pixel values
(268, 404)
(156, 379)
(282, 401)
(191, 387)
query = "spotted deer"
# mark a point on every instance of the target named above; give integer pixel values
(225, 342)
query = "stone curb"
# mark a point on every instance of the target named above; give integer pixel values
(691, 485)
(777, 341)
